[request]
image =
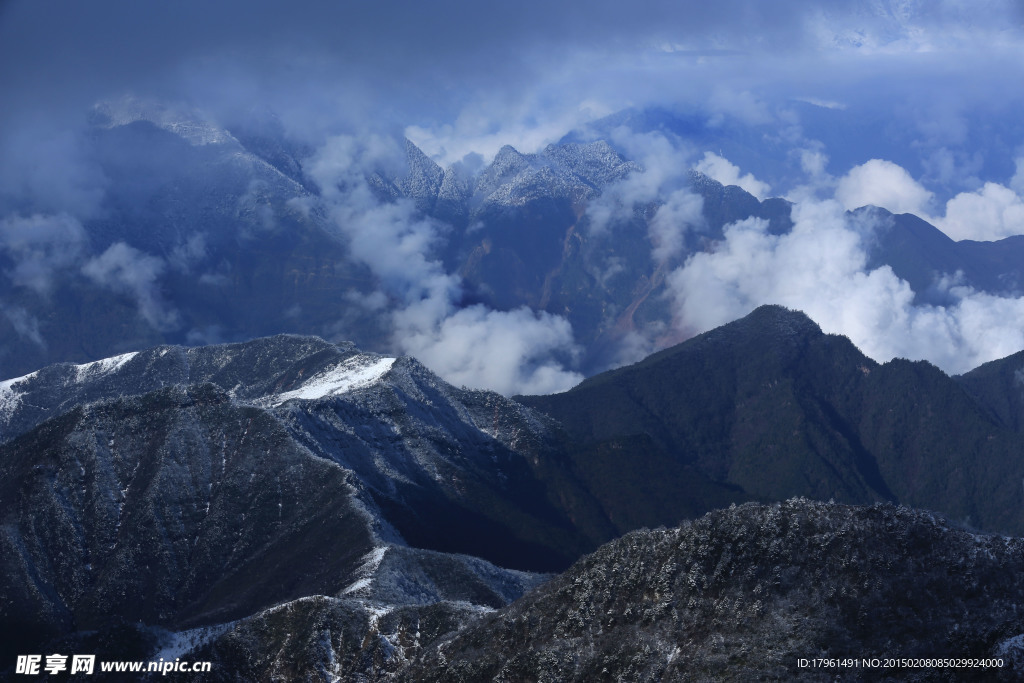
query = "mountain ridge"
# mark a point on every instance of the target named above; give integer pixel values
(199, 479)
(775, 407)
(232, 239)
(748, 591)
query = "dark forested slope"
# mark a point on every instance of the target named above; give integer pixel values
(744, 593)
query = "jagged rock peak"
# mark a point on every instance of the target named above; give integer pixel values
(596, 162)
(767, 326)
(507, 163)
(424, 178)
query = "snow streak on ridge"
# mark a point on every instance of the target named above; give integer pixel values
(355, 373)
(102, 366)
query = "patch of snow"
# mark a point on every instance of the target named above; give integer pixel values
(371, 561)
(102, 367)
(472, 606)
(183, 642)
(10, 398)
(1010, 645)
(355, 373)
(197, 133)
(188, 125)
(376, 612)
(357, 586)
(374, 558)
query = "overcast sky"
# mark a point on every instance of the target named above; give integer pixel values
(940, 75)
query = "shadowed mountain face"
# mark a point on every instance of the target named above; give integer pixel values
(177, 506)
(744, 593)
(197, 239)
(999, 386)
(769, 407)
(923, 255)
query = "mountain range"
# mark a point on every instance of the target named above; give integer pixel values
(207, 234)
(213, 446)
(296, 506)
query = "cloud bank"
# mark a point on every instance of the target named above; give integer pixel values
(466, 76)
(820, 267)
(878, 182)
(990, 213)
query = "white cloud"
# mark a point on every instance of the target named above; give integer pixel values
(24, 323)
(1017, 181)
(720, 169)
(882, 183)
(817, 182)
(511, 352)
(125, 269)
(663, 171)
(743, 105)
(388, 237)
(824, 104)
(255, 205)
(813, 163)
(40, 247)
(820, 268)
(681, 211)
(992, 213)
(188, 254)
